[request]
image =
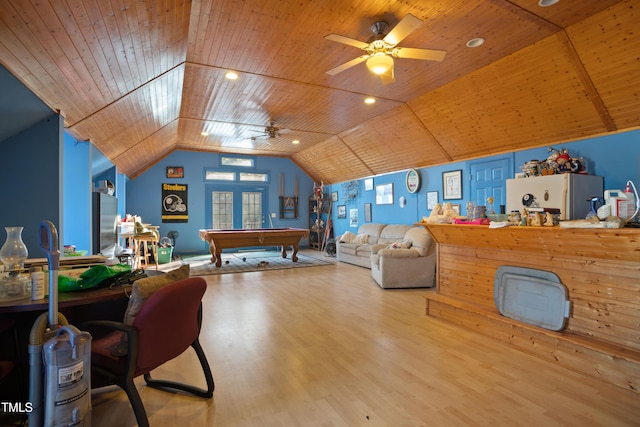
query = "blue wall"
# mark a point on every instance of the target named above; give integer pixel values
(77, 194)
(43, 186)
(31, 174)
(143, 194)
(615, 157)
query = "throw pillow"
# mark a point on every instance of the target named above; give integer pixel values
(362, 239)
(402, 244)
(348, 237)
(141, 290)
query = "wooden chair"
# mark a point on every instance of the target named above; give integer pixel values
(167, 324)
(146, 248)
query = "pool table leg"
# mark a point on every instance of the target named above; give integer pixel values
(294, 255)
(216, 255)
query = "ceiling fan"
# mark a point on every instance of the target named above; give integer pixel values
(270, 132)
(381, 48)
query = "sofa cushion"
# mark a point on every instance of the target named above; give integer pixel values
(373, 230)
(363, 251)
(421, 240)
(348, 248)
(362, 239)
(393, 233)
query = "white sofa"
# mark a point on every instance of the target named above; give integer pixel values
(356, 249)
(406, 265)
(399, 255)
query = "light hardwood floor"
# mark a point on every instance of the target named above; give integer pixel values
(325, 346)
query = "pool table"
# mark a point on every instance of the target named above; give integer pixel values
(221, 239)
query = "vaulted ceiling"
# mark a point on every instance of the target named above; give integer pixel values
(141, 78)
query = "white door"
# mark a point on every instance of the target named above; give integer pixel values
(237, 209)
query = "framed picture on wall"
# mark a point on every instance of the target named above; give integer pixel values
(367, 212)
(334, 196)
(175, 172)
(342, 211)
(452, 185)
(368, 184)
(432, 200)
(353, 217)
(384, 194)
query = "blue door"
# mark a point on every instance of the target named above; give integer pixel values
(488, 179)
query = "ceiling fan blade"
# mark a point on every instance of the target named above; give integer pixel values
(346, 65)
(347, 40)
(283, 131)
(406, 26)
(258, 140)
(414, 53)
(388, 77)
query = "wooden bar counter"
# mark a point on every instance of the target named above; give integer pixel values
(599, 267)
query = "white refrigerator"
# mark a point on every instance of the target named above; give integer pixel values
(568, 192)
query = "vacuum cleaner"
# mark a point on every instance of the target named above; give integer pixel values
(59, 356)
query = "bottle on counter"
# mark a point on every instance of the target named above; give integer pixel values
(627, 204)
(37, 283)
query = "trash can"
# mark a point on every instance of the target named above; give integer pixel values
(164, 255)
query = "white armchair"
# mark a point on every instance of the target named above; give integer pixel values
(409, 263)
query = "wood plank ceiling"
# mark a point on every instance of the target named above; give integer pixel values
(141, 78)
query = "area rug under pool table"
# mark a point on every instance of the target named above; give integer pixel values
(243, 262)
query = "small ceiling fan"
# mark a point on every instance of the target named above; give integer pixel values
(270, 132)
(381, 48)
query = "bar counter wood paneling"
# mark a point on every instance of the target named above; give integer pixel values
(599, 267)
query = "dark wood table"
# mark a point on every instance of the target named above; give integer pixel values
(66, 299)
(221, 239)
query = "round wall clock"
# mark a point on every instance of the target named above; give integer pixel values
(413, 180)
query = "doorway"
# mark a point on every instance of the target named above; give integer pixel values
(235, 207)
(488, 179)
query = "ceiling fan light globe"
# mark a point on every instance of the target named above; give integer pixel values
(380, 64)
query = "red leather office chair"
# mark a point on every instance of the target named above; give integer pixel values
(13, 364)
(7, 366)
(167, 324)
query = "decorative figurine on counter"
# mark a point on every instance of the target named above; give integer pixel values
(442, 214)
(536, 221)
(515, 218)
(523, 217)
(490, 210)
(549, 221)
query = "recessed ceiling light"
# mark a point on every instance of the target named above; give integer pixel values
(295, 141)
(231, 75)
(370, 100)
(545, 3)
(475, 42)
(204, 133)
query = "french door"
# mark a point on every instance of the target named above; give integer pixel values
(236, 207)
